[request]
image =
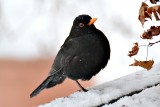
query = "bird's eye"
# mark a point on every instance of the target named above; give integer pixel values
(81, 24)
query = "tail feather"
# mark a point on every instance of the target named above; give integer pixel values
(42, 86)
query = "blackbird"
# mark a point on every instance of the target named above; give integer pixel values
(84, 53)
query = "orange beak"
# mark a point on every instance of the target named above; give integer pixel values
(92, 21)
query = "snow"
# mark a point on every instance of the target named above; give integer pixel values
(147, 98)
(144, 83)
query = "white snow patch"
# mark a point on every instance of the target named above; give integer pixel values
(147, 98)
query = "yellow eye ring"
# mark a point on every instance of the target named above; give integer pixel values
(81, 24)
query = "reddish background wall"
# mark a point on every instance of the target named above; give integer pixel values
(19, 78)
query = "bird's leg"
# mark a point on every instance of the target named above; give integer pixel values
(85, 90)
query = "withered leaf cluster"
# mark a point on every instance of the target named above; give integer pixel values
(145, 64)
(134, 50)
(146, 12)
(143, 13)
(153, 31)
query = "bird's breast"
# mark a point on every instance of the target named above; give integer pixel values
(88, 55)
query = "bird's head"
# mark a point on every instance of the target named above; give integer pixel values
(84, 21)
(83, 24)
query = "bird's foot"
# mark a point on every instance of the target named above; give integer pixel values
(84, 90)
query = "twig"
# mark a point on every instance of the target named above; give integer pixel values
(147, 52)
(150, 44)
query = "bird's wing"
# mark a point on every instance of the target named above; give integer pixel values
(56, 75)
(64, 56)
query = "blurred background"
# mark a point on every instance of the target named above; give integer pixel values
(32, 31)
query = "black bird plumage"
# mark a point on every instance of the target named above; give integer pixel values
(84, 53)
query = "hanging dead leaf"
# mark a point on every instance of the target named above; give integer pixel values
(134, 50)
(154, 1)
(146, 35)
(143, 13)
(153, 31)
(155, 10)
(144, 64)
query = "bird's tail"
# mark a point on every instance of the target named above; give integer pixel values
(42, 86)
(49, 82)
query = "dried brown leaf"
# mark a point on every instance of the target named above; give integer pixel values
(153, 31)
(134, 50)
(144, 64)
(143, 13)
(155, 10)
(154, 1)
